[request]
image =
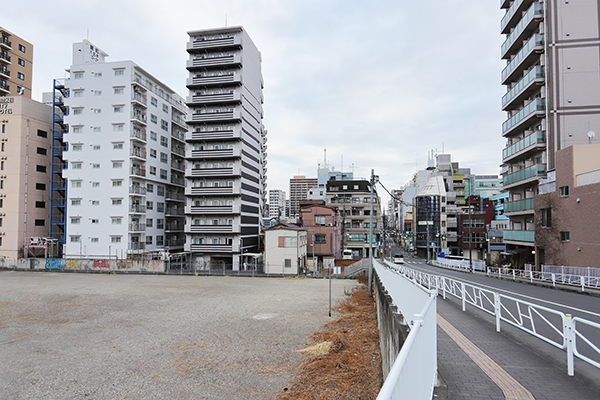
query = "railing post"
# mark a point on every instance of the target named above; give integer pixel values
(569, 332)
(531, 276)
(582, 283)
(514, 278)
(553, 279)
(500, 273)
(444, 287)
(464, 296)
(497, 310)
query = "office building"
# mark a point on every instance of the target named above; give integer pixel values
(277, 204)
(16, 65)
(552, 101)
(24, 172)
(123, 159)
(299, 190)
(226, 147)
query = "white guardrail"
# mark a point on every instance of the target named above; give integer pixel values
(414, 372)
(572, 334)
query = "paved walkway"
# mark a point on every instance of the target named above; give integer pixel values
(477, 362)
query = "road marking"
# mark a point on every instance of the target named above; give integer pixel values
(512, 389)
(496, 289)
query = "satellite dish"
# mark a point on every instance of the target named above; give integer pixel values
(591, 134)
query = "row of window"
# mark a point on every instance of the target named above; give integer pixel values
(160, 239)
(117, 72)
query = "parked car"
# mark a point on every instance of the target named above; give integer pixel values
(398, 259)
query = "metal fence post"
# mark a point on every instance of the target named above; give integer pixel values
(531, 276)
(582, 283)
(464, 296)
(569, 333)
(444, 286)
(514, 277)
(553, 279)
(497, 310)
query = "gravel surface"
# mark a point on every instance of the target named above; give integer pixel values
(79, 336)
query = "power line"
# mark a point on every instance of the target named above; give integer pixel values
(394, 197)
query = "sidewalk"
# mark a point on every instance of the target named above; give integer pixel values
(476, 362)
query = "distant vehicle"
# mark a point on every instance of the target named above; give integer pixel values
(398, 259)
(347, 254)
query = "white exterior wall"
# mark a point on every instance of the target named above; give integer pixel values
(275, 256)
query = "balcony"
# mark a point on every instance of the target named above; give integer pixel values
(214, 61)
(137, 208)
(139, 98)
(208, 191)
(526, 57)
(229, 42)
(136, 246)
(535, 109)
(175, 228)
(213, 172)
(4, 87)
(4, 72)
(171, 196)
(535, 141)
(524, 88)
(519, 236)
(139, 116)
(208, 248)
(5, 58)
(524, 176)
(180, 151)
(174, 211)
(519, 206)
(177, 181)
(137, 227)
(5, 43)
(210, 229)
(526, 26)
(141, 190)
(179, 121)
(179, 166)
(137, 133)
(217, 79)
(209, 210)
(138, 171)
(513, 14)
(230, 115)
(221, 98)
(213, 154)
(223, 134)
(138, 153)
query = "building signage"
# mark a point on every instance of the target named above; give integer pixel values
(4, 103)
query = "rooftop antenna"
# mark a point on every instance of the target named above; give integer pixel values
(325, 157)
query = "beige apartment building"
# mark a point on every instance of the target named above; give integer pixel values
(16, 65)
(24, 172)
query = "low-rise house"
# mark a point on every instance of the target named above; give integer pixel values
(324, 227)
(285, 250)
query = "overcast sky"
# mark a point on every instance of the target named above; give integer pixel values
(379, 84)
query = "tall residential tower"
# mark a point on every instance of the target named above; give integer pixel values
(16, 65)
(226, 148)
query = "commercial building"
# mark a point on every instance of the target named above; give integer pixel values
(226, 147)
(123, 159)
(277, 204)
(24, 172)
(16, 65)
(324, 225)
(552, 100)
(299, 189)
(430, 217)
(475, 222)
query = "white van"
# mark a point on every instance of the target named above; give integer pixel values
(347, 254)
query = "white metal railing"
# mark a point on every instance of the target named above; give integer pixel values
(414, 372)
(552, 326)
(574, 276)
(462, 265)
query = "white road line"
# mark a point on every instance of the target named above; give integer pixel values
(514, 293)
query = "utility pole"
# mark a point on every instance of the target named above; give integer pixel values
(372, 183)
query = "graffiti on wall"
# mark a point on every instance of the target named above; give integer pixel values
(101, 264)
(54, 263)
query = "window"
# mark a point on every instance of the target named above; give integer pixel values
(153, 118)
(149, 222)
(21, 76)
(95, 202)
(164, 141)
(148, 239)
(97, 92)
(42, 151)
(565, 236)
(117, 146)
(546, 216)
(21, 62)
(98, 75)
(95, 166)
(77, 93)
(117, 164)
(153, 101)
(40, 186)
(40, 222)
(115, 239)
(77, 147)
(163, 157)
(116, 220)
(160, 223)
(75, 184)
(149, 205)
(94, 240)
(164, 125)
(160, 240)
(75, 220)
(97, 129)
(75, 239)
(97, 111)
(78, 75)
(165, 108)
(76, 165)
(163, 174)
(160, 190)
(160, 207)
(95, 184)
(152, 170)
(320, 239)
(152, 153)
(118, 90)
(564, 191)
(96, 147)
(119, 72)
(39, 168)
(77, 111)
(320, 220)
(153, 136)
(118, 109)
(117, 202)
(117, 183)
(77, 129)
(150, 188)
(287, 262)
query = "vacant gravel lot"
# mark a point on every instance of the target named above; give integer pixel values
(79, 336)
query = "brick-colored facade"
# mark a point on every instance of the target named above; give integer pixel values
(325, 223)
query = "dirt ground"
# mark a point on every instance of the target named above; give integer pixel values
(343, 360)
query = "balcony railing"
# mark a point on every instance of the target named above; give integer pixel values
(537, 40)
(510, 13)
(137, 208)
(138, 171)
(528, 111)
(137, 246)
(138, 134)
(139, 116)
(535, 138)
(140, 153)
(4, 71)
(6, 42)
(140, 98)
(215, 79)
(534, 12)
(519, 205)
(520, 236)
(536, 73)
(536, 170)
(5, 57)
(137, 227)
(137, 190)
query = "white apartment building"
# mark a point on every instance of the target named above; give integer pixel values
(277, 204)
(124, 159)
(226, 147)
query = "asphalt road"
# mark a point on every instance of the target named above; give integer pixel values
(79, 336)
